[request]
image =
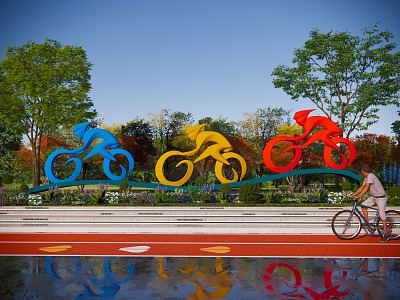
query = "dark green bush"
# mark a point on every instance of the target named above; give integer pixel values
(394, 195)
(8, 179)
(23, 188)
(224, 193)
(394, 201)
(249, 193)
(123, 186)
(347, 186)
(200, 181)
(98, 197)
(394, 191)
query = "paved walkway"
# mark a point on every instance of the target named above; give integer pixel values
(195, 245)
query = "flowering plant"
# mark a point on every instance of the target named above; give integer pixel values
(34, 200)
(112, 197)
(338, 197)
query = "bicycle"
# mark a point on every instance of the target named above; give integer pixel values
(220, 149)
(329, 134)
(346, 224)
(88, 135)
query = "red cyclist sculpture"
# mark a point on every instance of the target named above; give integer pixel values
(329, 134)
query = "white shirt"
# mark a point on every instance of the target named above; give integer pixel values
(375, 189)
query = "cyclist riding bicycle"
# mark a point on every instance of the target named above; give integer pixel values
(373, 186)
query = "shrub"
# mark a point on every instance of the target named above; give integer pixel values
(394, 191)
(200, 181)
(319, 195)
(394, 195)
(143, 198)
(112, 197)
(394, 201)
(23, 188)
(123, 186)
(249, 193)
(338, 197)
(224, 193)
(52, 195)
(272, 197)
(98, 197)
(7, 179)
(347, 186)
(35, 199)
(201, 194)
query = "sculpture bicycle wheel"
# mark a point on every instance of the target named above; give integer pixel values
(161, 164)
(219, 168)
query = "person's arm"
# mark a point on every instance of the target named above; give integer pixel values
(361, 191)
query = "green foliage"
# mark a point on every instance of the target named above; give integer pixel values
(347, 186)
(10, 141)
(272, 197)
(224, 193)
(23, 188)
(221, 125)
(43, 86)
(201, 194)
(318, 195)
(200, 181)
(123, 186)
(8, 179)
(74, 198)
(394, 201)
(249, 193)
(346, 76)
(394, 191)
(143, 198)
(98, 197)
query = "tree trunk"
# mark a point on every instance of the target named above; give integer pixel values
(35, 166)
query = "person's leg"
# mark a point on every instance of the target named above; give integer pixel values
(381, 203)
(384, 222)
(370, 201)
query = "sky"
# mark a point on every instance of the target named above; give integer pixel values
(212, 58)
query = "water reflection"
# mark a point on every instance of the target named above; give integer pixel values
(197, 278)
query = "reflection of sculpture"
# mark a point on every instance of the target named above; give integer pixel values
(295, 285)
(220, 151)
(330, 135)
(208, 286)
(88, 136)
(91, 277)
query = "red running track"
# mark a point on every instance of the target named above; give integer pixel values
(168, 245)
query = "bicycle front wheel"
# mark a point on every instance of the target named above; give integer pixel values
(346, 225)
(393, 222)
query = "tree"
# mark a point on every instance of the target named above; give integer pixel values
(49, 143)
(166, 126)
(375, 150)
(345, 76)
(42, 88)
(220, 125)
(396, 129)
(138, 128)
(10, 141)
(261, 126)
(138, 140)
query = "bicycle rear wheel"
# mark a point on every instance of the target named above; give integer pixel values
(346, 225)
(393, 222)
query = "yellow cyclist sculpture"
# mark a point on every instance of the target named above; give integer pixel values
(220, 151)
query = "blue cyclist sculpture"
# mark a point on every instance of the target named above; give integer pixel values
(83, 132)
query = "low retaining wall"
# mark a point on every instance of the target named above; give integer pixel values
(192, 220)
